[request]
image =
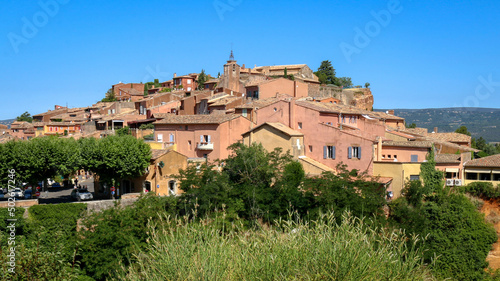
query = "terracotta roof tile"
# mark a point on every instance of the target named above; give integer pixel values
(489, 161)
(281, 127)
(448, 158)
(225, 101)
(259, 103)
(157, 153)
(425, 144)
(197, 119)
(451, 137)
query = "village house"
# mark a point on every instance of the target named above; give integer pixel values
(201, 136)
(22, 130)
(160, 175)
(486, 169)
(186, 82)
(139, 87)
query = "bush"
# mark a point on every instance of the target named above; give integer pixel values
(111, 237)
(481, 189)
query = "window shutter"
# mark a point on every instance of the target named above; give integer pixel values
(349, 152)
(359, 152)
(209, 139)
(201, 138)
(325, 152)
(333, 152)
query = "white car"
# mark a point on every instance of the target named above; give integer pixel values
(81, 194)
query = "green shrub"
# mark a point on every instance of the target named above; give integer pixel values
(481, 189)
(111, 237)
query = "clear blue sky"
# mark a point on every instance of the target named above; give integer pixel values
(419, 54)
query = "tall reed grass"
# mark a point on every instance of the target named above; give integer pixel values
(295, 250)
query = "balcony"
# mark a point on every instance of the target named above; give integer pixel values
(205, 146)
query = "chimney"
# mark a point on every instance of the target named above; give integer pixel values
(243, 66)
(175, 75)
(435, 129)
(391, 112)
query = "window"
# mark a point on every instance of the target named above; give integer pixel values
(171, 138)
(205, 139)
(383, 156)
(485, 177)
(160, 137)
(395, 158)
(328, 151)
(414, 158)
(414, 177)
(451, 175)
(172, 186)
(244, 112)
(471, 176)
(496, 177)
(354, 152)
(300, 125)
(189, 144)
(186, 127)
(389, 156)
(310, 148)
(189, 81)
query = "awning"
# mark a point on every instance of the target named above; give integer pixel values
(451, 170)
(478, 171)
(495, 171)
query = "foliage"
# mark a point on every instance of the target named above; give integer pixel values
(148, 126)
(326, 73)
(111, 237)
(320, 250)
(39, 158)
(463, 130)
(432, 178)
(345, 190)
(457, 237)
(110, 96)
(411, 126)
(486, 148)
(123, 131)
(249, 185)
(481, 189)
(165, 90)
(367, 85)
(149, 85)
(53, 226)
(26, 116)
(115, 157)
(202, 78)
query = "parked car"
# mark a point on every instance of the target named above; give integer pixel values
(56, 184)
(17, 193)
(81, 194)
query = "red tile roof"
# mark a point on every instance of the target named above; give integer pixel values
(197, 119)
(489, 161)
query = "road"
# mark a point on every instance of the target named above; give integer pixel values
(60, 194)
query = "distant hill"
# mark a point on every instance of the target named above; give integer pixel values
(7, 122)
(481, 122)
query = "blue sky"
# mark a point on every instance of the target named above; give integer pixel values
(415, 54)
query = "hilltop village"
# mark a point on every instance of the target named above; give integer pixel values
(191, 120)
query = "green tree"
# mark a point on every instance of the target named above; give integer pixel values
(26, 116)
(326, 73)
(344, 82)
(367, 85)
(411, 126)
(110, 96)
(123, 131)
(117, 157)
(463, 130)
(202, 78)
